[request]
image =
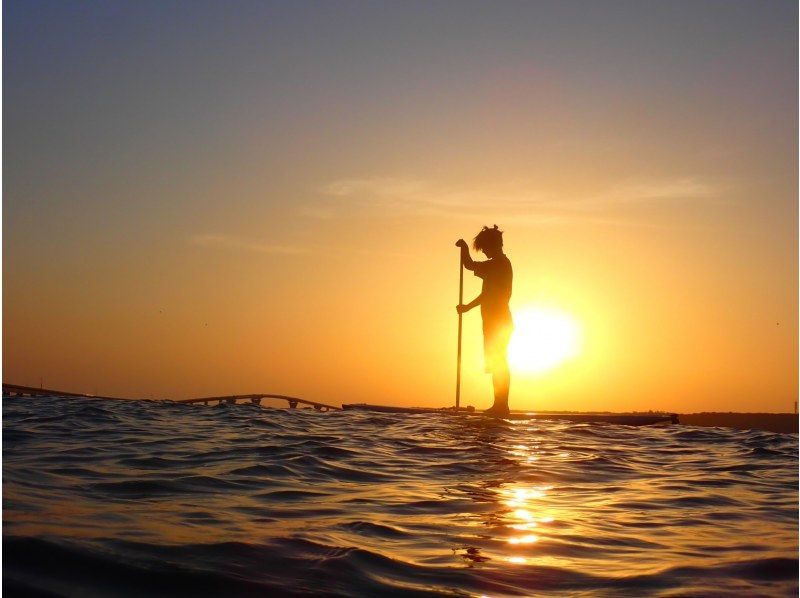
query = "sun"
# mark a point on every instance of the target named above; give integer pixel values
(543, 338)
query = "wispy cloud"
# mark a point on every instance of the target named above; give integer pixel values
(398, 195)
(318, 212)
(231, 242)
(649, 192)
(405, 195)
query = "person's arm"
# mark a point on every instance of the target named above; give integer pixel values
(466, 259)
(468, 306)
(469, 264)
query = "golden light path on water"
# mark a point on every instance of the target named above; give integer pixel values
(525, 514)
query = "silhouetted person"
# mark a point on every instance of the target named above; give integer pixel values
(497, 323)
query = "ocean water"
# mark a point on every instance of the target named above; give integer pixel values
(106, 498)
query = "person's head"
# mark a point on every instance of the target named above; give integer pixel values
(489, 241)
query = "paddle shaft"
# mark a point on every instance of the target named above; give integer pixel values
(460, 302)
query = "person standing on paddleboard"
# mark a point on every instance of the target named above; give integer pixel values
(497, 275)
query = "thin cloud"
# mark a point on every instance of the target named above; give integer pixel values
(650, 192)
(381, 186)
(397, 195)
(229, 242)
(681, 188)
(220, 241)
(317, 212)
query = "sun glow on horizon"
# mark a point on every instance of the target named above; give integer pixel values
(543, 338)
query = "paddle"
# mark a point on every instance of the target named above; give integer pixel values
(460, 302)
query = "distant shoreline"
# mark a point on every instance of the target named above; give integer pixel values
(784, 423)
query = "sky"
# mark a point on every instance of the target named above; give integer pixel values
(205, 198)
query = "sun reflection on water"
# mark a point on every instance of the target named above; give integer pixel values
(529, 539)
(521, 510)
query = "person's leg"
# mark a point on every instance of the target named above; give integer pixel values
(497, 359)
(501, 381)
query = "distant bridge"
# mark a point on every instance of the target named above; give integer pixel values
(15, 390)
(31, 391)
(256, 399)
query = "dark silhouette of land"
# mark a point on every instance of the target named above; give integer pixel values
(785, 423)
(771, 422)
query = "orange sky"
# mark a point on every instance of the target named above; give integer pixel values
(255, 213)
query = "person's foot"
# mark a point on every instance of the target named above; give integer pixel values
(495, 411)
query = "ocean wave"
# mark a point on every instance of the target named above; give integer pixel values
(133, 498)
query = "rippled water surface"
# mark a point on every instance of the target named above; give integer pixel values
(152, 498)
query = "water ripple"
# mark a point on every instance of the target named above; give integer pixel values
(133, 498)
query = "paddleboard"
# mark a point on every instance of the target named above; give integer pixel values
(625, 419)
